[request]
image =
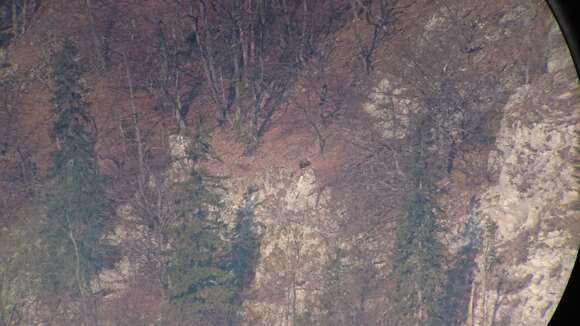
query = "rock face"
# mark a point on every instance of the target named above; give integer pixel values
(292, 222)
(523, 266)
(293, 225)
(390, 107)
(531, 203)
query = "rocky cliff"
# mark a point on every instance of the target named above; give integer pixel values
(531, 201)
(525, 258)
(325, 187)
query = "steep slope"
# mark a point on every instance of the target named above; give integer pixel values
(515, 198)
(326, 186)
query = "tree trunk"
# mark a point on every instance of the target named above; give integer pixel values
(140, 154)
(85, 314)
(470, 309)
(96, 39)
(205, 46)
(484, 282)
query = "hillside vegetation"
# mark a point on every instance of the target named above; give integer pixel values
(284, 162)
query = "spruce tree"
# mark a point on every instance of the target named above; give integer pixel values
(198, 277)
(417, 260)
(197, 281)
(244, 253)
(78, 212)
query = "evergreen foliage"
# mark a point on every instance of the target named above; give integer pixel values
(462, 273)
(78, 212)
(245, 244)
(417, 260)
(197, 280)
(206, 270)
(457, 289)
(200, 149)
(479, 236)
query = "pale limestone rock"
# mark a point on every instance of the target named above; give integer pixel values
(181, 164)
(114, 280)
(521, 14)
(529, 154)
(531, 205)
(391, 108)
(438, 22)
(178, 145)
(293, 224)
(559, 57)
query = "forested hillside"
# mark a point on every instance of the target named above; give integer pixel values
(285, 162)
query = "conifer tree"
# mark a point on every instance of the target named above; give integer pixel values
(199, 281)
(245, 243)
(78, 212)
(417, 260)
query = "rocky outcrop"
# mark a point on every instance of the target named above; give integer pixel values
(531, 203)
(293, 224)
(529, 231)
(391, 107)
